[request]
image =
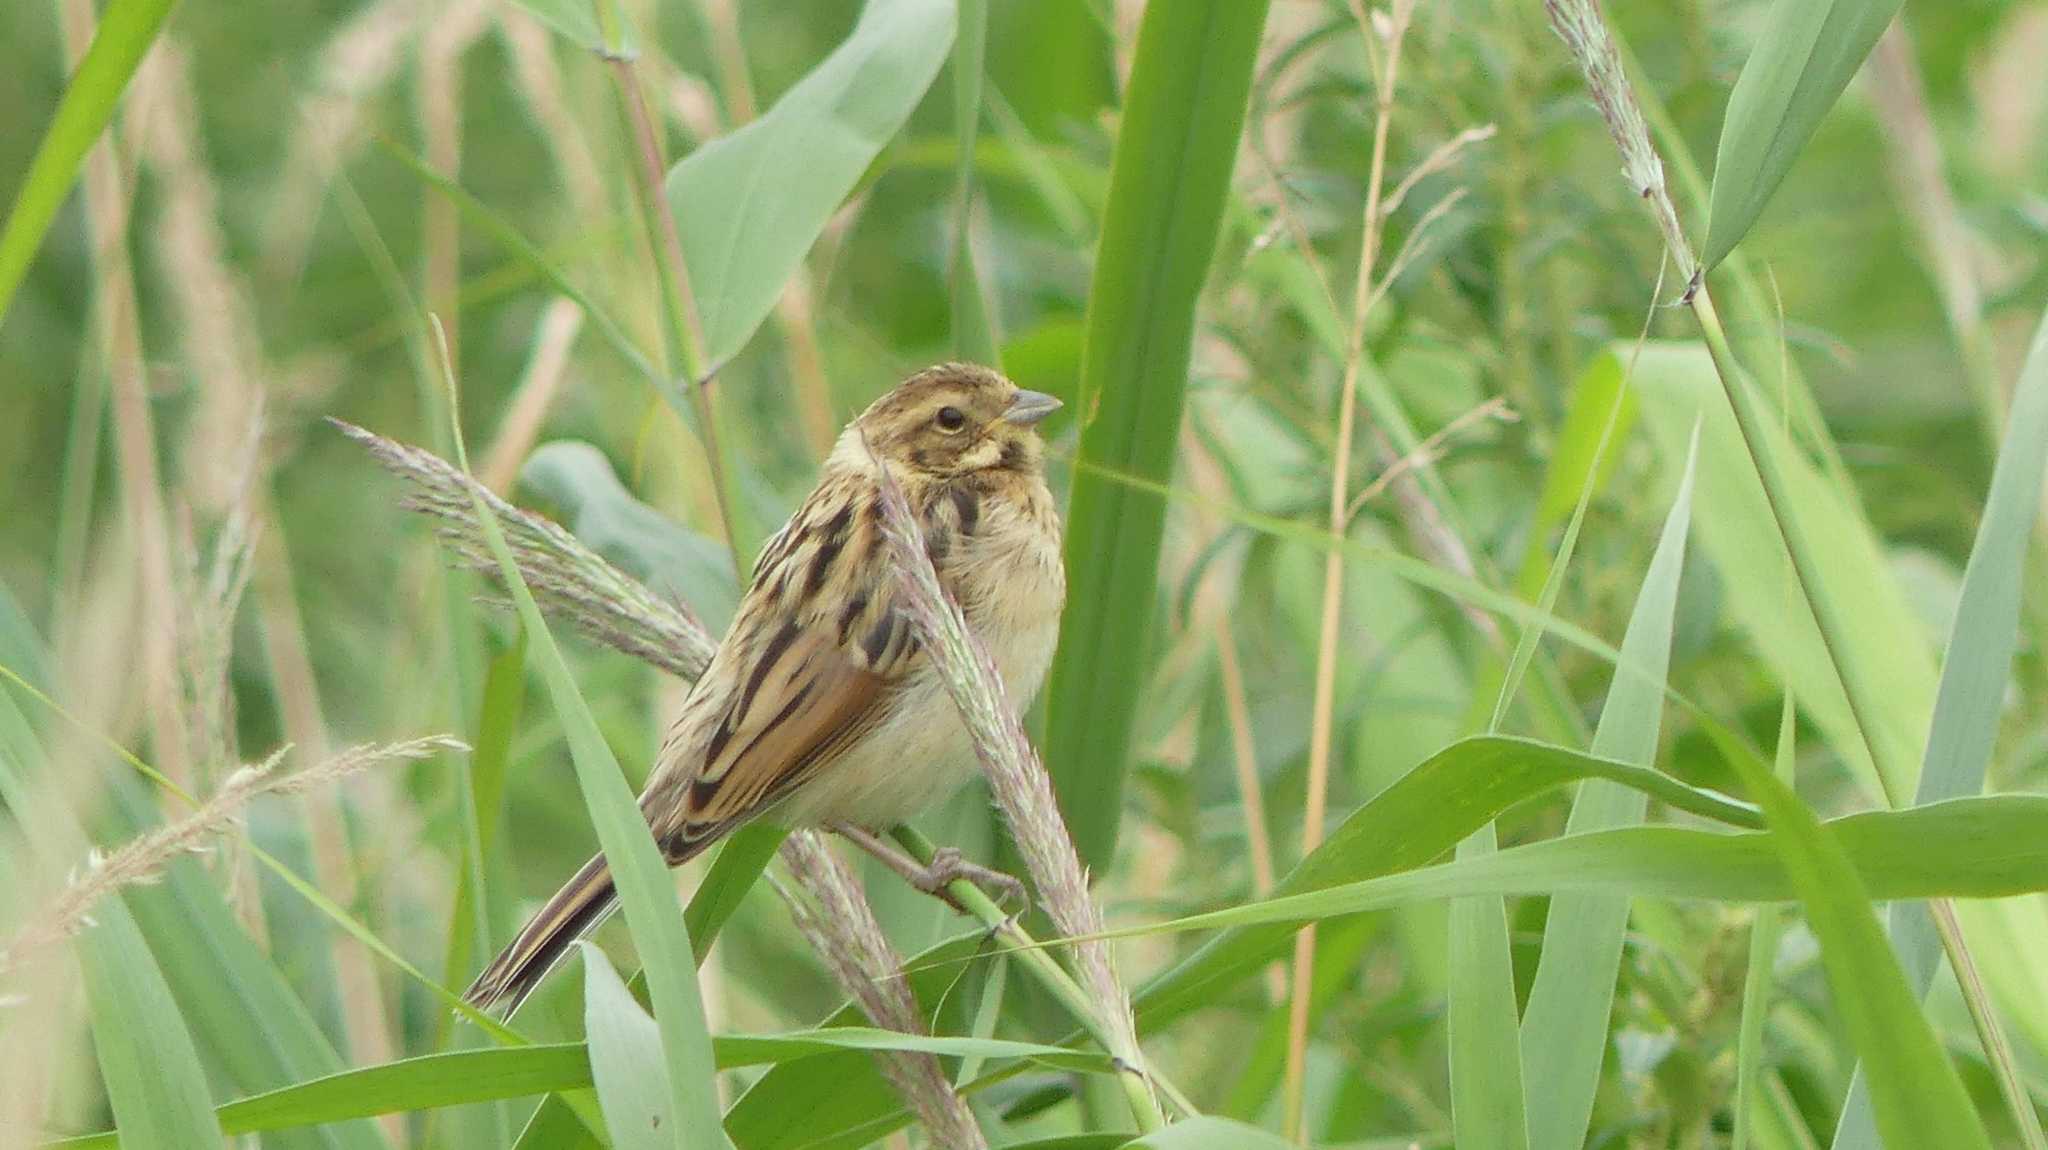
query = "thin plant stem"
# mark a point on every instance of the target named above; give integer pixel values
(1046, 969)
(1866, 702)
(684, 335)
(1315, 807)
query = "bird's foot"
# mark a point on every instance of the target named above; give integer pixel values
(937, 877)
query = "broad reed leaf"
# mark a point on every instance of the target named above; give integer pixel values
(1945, 850)
(640, 875)
(1806, 53)
(577, 482)
(126, 30)
(745, 223)
(1440, 802)
(151, 1068)
(625, 1060)
(1208, 1133)
(1677, 385)
(1974, 673)
(1564, 1029)
(1169, 180)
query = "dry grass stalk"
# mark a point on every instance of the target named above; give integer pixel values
(216, 322)
(1578, 24)
(845, 933)
(142, 860)
(1017, 778)
(1315, 807)
(545, 371)
(569, 580)
(1432, 449)
(448, 39)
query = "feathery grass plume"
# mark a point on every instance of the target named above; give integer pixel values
(143, 859)
(1016, 777)
(843, 930)
(1579, 24)
(569, 580)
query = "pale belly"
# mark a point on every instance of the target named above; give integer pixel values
(923, 753)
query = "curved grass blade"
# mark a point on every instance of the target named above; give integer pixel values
(1169, 180)
(1766, 926)
(1973, 679)
(645, 893)
(125, 33)
(1564, 1029)
(1945, 850)
(463, 1077)
(1918, 1097)
(745, 223)
(1806, 53)
(1426, 813)
(147, 1059)
(625, 1060)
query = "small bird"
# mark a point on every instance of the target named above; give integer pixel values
(820, 707)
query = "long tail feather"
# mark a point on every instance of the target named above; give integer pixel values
(545, 940)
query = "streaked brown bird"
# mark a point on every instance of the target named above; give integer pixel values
(819, 707)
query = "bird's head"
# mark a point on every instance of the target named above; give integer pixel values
(951, 420)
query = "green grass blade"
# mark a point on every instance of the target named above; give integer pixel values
(1564, 1032)
(1444, 799)
(733, 871)
(457, 1078)
(1974, 675)
(1766, 926)
(233, 998)
(841, 1099)
(1487, 1103)
(745, 223)
(1947, 850)
(1918, 1097)
(147, 1058)
(625, 1060)
(642, 879)
(126, 31)
(1169, 180)
(1806, 53)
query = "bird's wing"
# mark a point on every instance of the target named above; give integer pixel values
(810, 666)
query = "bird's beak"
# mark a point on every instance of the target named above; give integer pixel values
(1031, 406)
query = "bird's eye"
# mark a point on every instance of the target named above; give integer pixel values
(950, 419)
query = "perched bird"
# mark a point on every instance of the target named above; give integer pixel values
(819, 707)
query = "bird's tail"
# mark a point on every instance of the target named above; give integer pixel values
(568, 915)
